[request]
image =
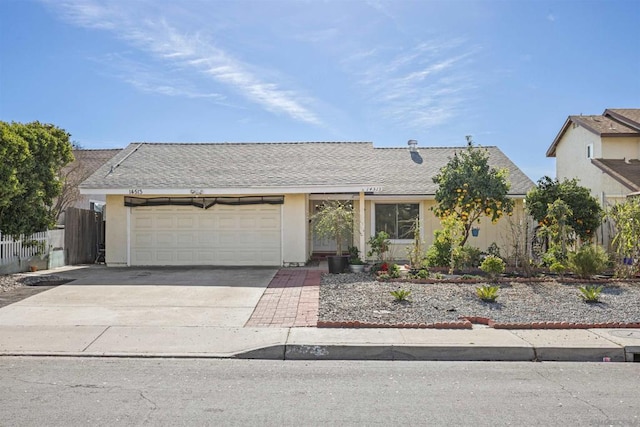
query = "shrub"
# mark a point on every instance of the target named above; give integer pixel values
(487, 293)
(466, 257)
(439, 254)
(423, 274)
(493, 266)
(588, 261)
(494, 250)
(394, 271)
(558, 268)
(379, 245)
(591, 293)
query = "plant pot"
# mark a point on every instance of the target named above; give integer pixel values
(337, 264)
(356, 268)
(33, 268)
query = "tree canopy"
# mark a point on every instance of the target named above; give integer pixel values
(469, 188)
(33, 155)
(585, 214)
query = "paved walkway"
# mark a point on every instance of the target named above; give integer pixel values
(290, 300)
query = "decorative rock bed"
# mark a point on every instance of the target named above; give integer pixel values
(358, 300)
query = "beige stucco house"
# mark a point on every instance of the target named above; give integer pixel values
(602, 152)
(251, 203)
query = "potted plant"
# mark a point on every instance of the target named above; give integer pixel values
(334, 221)
(356, 265)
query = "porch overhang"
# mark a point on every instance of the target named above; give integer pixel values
(308, 189)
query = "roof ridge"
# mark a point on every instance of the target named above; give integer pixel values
(254, 143)
(97, 149)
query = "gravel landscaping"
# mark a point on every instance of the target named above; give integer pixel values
(358, 297)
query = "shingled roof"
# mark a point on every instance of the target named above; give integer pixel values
(625, 171)
(614, 122)
(284, 165)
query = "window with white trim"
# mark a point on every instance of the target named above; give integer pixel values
(590, 151)
(396, 219)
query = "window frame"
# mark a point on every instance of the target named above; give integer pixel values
(390, 202)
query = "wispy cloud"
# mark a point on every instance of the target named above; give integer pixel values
(190, 51)
(421, 87)
(148, 79)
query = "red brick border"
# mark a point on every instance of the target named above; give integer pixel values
(460, 324)
(549, 325)
(467, 323)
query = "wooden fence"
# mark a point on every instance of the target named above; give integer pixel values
(26, 247)
(84, 232)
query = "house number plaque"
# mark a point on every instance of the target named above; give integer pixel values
(135, 191)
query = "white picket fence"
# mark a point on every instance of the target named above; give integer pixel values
(15, 250)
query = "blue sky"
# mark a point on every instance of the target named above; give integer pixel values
(507, 72)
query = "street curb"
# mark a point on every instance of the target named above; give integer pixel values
(372, 352)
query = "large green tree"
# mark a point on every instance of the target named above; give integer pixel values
(32, 156)
(469, 188)
(585, 212)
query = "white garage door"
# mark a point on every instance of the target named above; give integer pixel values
(220, 235)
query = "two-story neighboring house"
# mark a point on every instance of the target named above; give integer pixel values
(602, 152)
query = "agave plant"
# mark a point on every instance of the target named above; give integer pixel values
(401, 294)
(487, 293)
(591, 293)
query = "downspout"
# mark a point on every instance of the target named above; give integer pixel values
(361, 227)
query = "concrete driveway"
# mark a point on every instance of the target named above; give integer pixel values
(100, 296)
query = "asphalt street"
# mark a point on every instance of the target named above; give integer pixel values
(119, 391)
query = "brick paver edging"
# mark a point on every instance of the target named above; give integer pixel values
(551, 325)
(467, 323)
(461, 324)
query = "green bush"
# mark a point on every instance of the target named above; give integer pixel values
(494, 250)
(558, 268)
(493, 266)
(422, 274)
(394, 271)
(439, 254)
(588, 261)
(466, 257)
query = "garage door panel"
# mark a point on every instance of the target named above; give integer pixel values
(164, 222)
(143, 239)
(206, 257)
(165, 239)
(207, 222)
(186, 240)
(187, 221)
(185, 256)
(165, 256)
(221, 235)
(227, 222)
(143, 222)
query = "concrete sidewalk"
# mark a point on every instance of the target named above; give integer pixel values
(203, 313)
(595, 345)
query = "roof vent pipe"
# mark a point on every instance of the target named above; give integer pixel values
(413, 145)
